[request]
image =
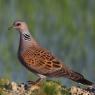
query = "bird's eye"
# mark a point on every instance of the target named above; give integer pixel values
(18, 24)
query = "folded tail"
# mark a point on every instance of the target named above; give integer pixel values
(85, 81)
(80, 78)
(70, 74)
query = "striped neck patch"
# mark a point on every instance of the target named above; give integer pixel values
(27, 36)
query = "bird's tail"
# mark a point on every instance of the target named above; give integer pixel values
(66, 72)
(79, 78)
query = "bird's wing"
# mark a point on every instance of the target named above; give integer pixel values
(40, 60)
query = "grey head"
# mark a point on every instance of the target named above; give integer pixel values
(19, 25)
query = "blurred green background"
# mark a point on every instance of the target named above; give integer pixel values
(66, 27)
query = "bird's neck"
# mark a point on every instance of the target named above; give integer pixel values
(26, 40)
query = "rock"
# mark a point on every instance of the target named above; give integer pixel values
(45, 88)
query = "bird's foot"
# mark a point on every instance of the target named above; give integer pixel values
(38, 82)
(31, 82)
(31, 85)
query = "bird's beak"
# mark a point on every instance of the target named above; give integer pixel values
(10, 27)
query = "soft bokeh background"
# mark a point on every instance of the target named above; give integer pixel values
(66, 27)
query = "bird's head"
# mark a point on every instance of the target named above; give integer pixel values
(19, 25)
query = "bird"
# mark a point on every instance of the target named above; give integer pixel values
(41, 61)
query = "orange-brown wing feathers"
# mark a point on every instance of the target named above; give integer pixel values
(40, 60)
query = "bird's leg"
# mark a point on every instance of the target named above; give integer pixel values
(41, 77)
(33, 83)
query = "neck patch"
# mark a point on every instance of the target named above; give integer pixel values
(27, 36)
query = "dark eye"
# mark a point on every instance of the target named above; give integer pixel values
(18, 24)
